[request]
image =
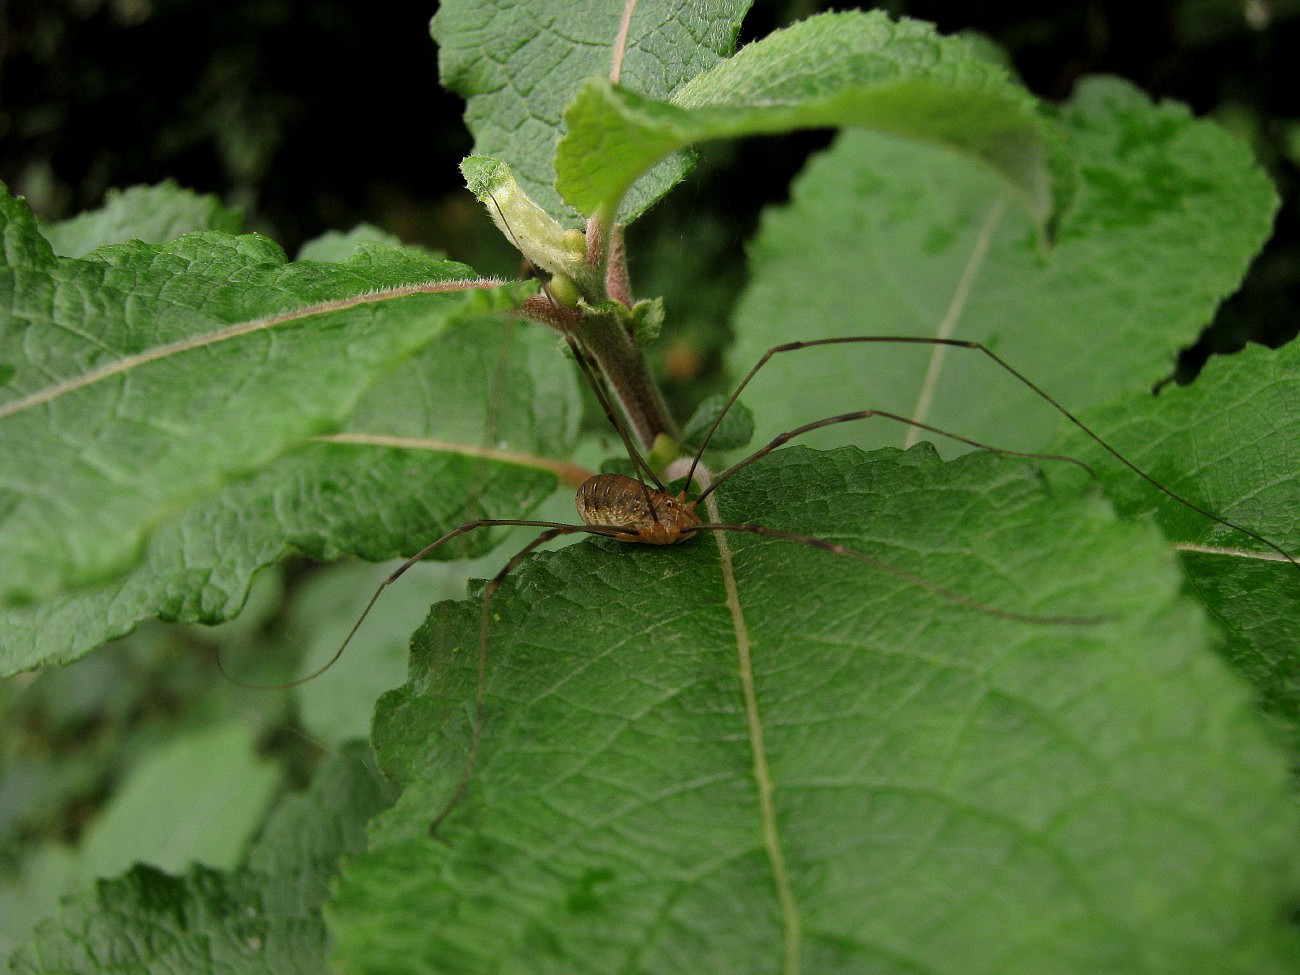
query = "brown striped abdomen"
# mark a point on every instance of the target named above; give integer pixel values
(617, 501)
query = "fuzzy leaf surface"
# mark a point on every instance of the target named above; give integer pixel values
(518, 64)
(407, 474)
(886, 239)
(145, 376)
(846, 69)
(951, 791)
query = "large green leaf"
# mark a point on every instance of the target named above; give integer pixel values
(882, 238)
(949, 791)
(518, 65)
(145, 376)
(402, 473)
(849, 69)
(263, 918)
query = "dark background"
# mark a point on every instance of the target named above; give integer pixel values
(316, 115)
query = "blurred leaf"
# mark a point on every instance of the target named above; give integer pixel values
(153, 214)
(337, 706)
(848, 69)
(197, 799)
(734, 432)
(261, 919)
(518, 64)
(887, 239)
(963, 792)
(33, 893)
(336, 245)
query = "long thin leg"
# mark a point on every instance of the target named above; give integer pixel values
(948, 594)
(1007, 367)
(778, 440)
(593, 378)
(494, 583)
(396, 574)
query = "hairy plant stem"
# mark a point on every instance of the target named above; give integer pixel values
(617, 356)
(624, 367)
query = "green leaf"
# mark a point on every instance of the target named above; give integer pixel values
(153, 214)
(196, 800)
(147, 376)
(734, 432)
(263, 918)
(338, 706)
(1230, 443)
(518, 64)
(335, 245)
(848, 69)
(950, 791)
(404, 472)
(886, 239)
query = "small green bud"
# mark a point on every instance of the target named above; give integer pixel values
(663, 452)
(564, 290)
(539, 237)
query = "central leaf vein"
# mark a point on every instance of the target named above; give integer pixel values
(790, 920)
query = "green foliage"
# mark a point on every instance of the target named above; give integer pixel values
(205, 359)
(1013, 736)
(846, 69)
(262, 917)
(518, 65)
(928, 760)
(886, 239)
(153, 214)
(1230, 443)
(734, 431)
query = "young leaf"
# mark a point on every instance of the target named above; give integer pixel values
(734, 432)
(153, 214)
(911, 785)
(144, 376)
(847, 69)
(518, 64)
(410, 466)
(886, 239)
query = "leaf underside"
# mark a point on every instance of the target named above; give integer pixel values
(953, 791)
(146, 376)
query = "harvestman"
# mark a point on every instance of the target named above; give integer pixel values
(628, 509)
